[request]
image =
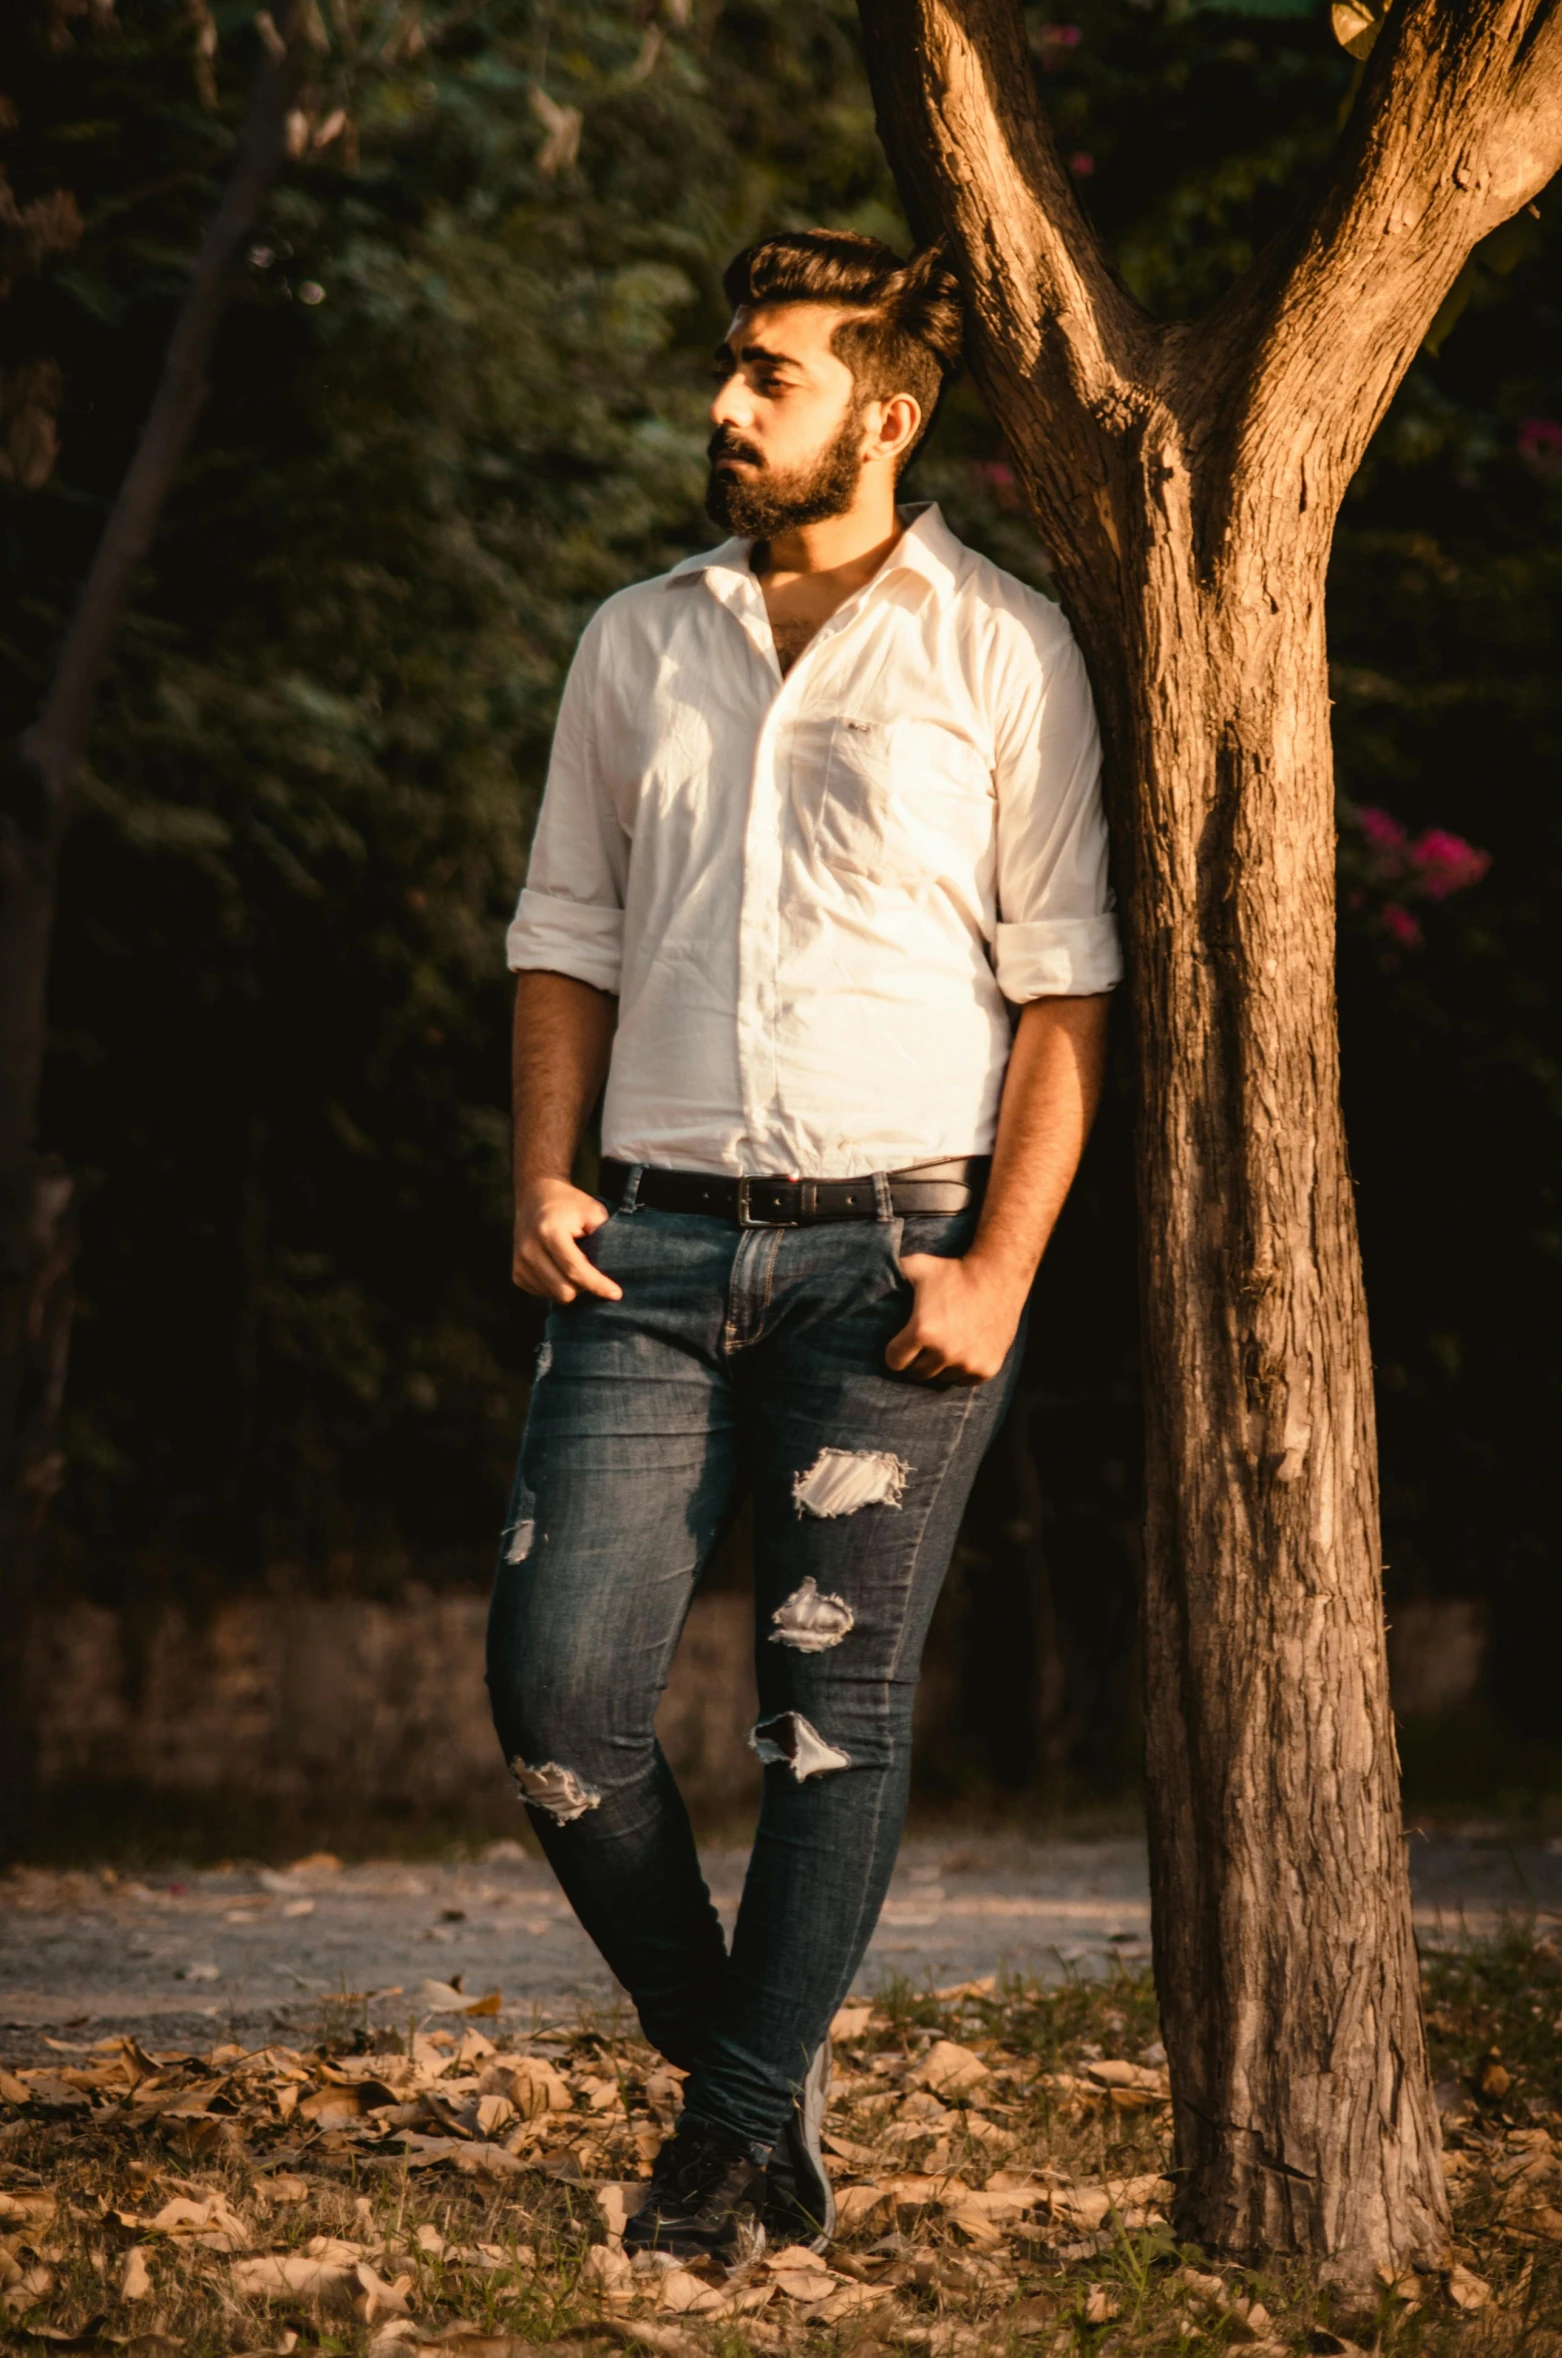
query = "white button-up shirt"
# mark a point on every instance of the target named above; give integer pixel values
(815, 896)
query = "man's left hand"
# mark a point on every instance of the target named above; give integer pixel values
(962, 1322)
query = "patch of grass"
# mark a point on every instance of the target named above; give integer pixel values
(1002, 2199)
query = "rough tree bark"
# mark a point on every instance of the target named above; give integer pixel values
(36, 785)
(1186, 478)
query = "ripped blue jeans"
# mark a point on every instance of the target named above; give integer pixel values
(740, 1361)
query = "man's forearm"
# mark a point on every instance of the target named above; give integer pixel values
(1050, 1094)
(966, 1312)
(563, 1039)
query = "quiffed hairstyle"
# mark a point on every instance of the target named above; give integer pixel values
(907, 334)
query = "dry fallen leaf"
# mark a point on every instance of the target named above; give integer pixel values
(688, 2295)
(1204, 2292)
(375, 2299)
(805, 2284)
(442, 1997)
(136, 2281)
(853, 2204)
(974, 2222)
(210, 2220)
(334, 2248)
(618, 2200)
(29, 2210)
(1084, 2208)
(947, 2068)
(1131, 2078)
(1101, 2306)
(608, 2267)
(283, 2186)
(535, 2086)
(290, 2276)
(852, 2022)
(670, 2340)
(1357, 24)
(1250, 2321)
(1467, 2290)
(846, 2301)
(27, 2288)
(457, 2345)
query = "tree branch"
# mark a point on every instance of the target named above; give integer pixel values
(50, 751)
(1053, 330)
(1458, 124)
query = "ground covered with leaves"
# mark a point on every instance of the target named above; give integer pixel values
(1001, 2152)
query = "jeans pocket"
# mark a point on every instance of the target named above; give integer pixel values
(948, 1234)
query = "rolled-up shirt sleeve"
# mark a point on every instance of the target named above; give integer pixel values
(1056, 936)
(570, 917)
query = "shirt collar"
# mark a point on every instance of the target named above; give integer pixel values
(927, 547)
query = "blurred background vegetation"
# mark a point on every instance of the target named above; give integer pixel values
(459, 399)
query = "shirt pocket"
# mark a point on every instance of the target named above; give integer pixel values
(901, 802)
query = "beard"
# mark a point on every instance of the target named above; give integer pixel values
(782, 499)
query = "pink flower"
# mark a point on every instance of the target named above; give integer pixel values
(1540, 444)
(1081, 165)
(1000, 480)
(1050, 39)
(1400, 926)
(1444, 863)
(1383, 832)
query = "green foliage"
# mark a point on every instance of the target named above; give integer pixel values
(458, 400)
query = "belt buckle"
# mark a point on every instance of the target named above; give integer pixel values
(748, 1218)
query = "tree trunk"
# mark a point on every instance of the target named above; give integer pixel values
(1284, 1957)
(35, 793)
(1186, 483)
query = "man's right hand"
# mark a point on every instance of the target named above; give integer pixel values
(549, 1216)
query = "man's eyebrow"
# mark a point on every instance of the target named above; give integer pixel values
(760, 352)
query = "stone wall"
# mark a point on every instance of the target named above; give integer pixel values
(346, 1704)
(346, 1710)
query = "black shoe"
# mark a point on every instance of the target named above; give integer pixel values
(800, 2202)
(706, 2196)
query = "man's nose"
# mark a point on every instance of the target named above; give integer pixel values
(731, 405)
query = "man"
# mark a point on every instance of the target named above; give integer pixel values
(823, 812)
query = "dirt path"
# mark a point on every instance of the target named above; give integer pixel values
(258, 1953)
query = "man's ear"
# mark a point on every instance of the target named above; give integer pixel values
(900, 422)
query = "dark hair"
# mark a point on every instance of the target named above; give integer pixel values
(907, 334)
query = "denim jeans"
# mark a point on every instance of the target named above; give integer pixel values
(740, 1361)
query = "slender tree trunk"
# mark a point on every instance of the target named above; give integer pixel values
(35, 795)
(1186, 482)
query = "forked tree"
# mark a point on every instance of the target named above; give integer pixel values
(1185, 477)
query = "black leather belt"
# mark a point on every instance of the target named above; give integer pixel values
(798, 1203)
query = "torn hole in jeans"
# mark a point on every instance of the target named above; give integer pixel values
(790, 1741)
(840, 1481)
(811, 1621)
(557, 1791)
